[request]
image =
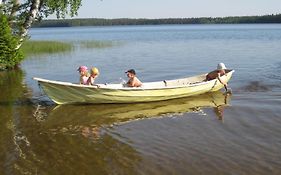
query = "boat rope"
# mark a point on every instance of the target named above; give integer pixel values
(41, 89)
(41, 93)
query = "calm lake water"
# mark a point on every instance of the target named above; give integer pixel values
(206, 134)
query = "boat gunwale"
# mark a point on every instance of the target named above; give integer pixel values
(98, 86)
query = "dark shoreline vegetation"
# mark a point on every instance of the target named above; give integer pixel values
(129, 21)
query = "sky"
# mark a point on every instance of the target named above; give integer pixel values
(176, 8)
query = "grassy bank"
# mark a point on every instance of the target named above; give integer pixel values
(45, 47)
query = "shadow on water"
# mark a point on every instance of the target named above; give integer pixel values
(258, 86)
(266, 80)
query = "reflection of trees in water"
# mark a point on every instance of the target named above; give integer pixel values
(11, 90)
(11, 86)
(77, 150)
(72, 145)
(75, 136)
(28, 148)
(91, 132)
(39, 114)
(69, 149)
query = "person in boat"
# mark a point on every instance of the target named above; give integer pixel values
(83, 70)
(93, 75)
(133, 80)
(220, 71)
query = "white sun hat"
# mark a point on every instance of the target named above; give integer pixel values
(221, 66)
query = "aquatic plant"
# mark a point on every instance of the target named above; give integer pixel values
(96, 44)
(45, 47)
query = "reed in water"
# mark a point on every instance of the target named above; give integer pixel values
(45, 47)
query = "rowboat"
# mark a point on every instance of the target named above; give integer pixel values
(66, 93)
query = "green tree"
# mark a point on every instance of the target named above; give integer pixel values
(9, 55)
(22, 13)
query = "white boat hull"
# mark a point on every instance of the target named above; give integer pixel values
(63, 92)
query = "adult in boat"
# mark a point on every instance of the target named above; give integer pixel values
(133, 80)
(220, 71)
(94, 74)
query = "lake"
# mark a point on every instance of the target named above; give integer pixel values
(212, 133)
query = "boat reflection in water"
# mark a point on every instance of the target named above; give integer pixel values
(89, 119)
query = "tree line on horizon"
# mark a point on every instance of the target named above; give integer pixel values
(143, 21)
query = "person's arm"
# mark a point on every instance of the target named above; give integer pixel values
(80, 80)
(129, 83)
(221, 81)
(136, 82)
(89, 81)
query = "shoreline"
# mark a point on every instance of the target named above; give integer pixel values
(266, 19)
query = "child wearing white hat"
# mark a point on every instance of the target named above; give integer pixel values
(220, 71)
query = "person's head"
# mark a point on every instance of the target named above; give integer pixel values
(83, 70)
(94, 72)
(131, 73)
(221, 67)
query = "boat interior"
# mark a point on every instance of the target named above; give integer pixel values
(163, 84)
(188, 81)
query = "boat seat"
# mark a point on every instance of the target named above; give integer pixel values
(176, 83)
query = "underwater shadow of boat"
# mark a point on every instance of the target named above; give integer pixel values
(108, 114)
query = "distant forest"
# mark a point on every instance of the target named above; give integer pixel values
(129, 21)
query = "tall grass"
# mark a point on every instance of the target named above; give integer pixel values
(45, 47)
(51, 47)
(91, 44)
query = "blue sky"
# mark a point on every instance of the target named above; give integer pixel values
(176, 8)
